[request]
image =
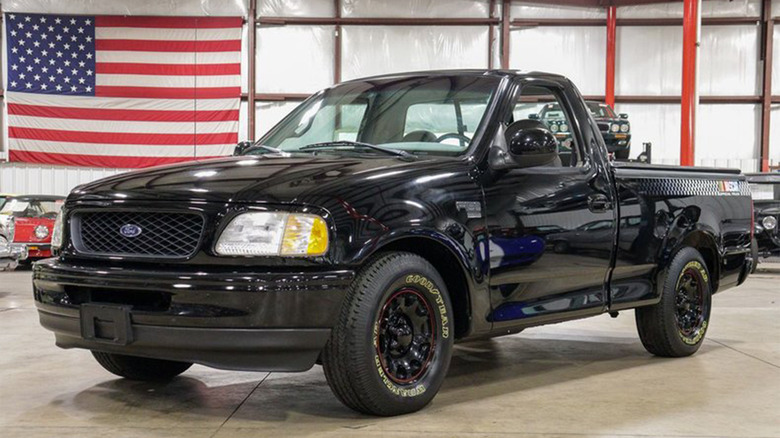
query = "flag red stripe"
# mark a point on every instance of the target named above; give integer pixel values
(59, 112)
(95, 160)
(121, 137)
(134, 68)
(169, 45)
(169, 22)
(167, 93)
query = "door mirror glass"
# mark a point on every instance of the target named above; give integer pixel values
(533, 116)
(623, 116)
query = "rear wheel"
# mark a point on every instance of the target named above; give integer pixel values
(391, 348)
(754, 254)
(140, 368)
(676, 326)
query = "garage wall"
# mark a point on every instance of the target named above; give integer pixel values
(299, 59)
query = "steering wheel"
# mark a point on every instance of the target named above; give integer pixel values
(453, 135)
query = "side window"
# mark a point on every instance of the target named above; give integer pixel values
(545, 105)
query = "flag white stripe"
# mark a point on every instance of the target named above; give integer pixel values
(121, 126)
(122, 150)
(122, 80)
(139, 33)
(122, 103)
(169, 57)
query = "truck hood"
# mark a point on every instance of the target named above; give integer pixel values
(263, 178)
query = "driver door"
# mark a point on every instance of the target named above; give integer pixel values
(551, 227)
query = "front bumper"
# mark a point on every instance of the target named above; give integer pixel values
(28, 251)
(616, 141)
(261, 321)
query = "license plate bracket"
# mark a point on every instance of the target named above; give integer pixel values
(105, 323)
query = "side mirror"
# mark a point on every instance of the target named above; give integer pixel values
(241, 147)
(623, 116)
(533, 116)
(527, 143)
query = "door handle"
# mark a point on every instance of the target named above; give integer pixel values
(599, 203)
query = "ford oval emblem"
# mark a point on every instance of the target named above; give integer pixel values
(130, 230)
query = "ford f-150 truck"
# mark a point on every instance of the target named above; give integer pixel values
(381, 221)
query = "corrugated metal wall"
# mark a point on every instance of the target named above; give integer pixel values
(648, 63)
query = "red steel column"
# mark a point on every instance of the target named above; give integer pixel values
(611, 44)
(689, 96)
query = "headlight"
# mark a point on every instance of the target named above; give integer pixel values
(769, 222)
(624, 127)
(564, 127)
(11, 230)
(41, 232)
(56, 232)
(274, 234)
(554, 127)
(614, 127)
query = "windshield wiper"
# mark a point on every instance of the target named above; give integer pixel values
(264, 147)
(331, 144)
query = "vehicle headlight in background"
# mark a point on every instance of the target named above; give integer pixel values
(41, 232)
(274, 234)
(614, 127)
(564, 127)
(769, 222)
(57, 231)
(11, 230)
(554, 127)
(624, 127)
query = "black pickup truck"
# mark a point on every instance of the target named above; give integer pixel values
(383, 220)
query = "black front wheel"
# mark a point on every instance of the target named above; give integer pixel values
(391, 347)
(676, 326)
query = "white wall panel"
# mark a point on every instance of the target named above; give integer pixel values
(657, 124)
(243, 120)
(294, 59)
(269, 114)
(709, 8)
(295, 8)
(373, 50)
(728, 63)
(774, 136)
(576, 52)
(134, 7)
(416, 8)
(521, 10)
(649, 60)
(776, 60)
(728, 135)
(47, 180)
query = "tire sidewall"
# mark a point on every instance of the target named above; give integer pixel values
(687, 258)
(429, 284)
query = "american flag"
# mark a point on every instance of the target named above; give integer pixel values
(125, 92)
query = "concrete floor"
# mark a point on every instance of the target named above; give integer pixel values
(584, 378)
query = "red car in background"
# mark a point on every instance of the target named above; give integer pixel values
(26, 224)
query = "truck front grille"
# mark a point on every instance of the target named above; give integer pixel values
(138, 234)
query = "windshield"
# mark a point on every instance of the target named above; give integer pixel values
(600, 110)
(429, 116)
(765, 192)
(31, 208)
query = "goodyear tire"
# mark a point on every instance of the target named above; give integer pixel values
(390, 350)
(676, 326)
(140, 368)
